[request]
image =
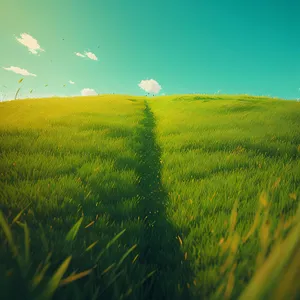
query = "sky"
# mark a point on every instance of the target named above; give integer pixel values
(72, 47)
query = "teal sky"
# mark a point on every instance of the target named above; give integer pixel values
(235, 47)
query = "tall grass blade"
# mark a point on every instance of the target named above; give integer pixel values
(254, 226)
(16, 95)
(230, 283)
(135, 258)
(17, 217)
(147, 276)
(91, 246)
(38, 277)
(90, 224)
(26, 244)
(8, 235)
(289, 286)
(75, 277)
(126, 254)
(233, 217)
(113, 240)
(268, 274)
(108, 269)
(55, 280)
(74, 230)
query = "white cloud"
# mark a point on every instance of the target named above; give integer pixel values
(71, 82)
(79, 54)
(91, 55)
(88, 92)
(20, 71)
(31, 43)
(150, 86)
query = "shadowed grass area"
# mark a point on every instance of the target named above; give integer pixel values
(160, 247)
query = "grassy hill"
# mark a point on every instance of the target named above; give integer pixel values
(173, 197)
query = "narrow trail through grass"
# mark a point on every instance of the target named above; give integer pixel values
(159, 247)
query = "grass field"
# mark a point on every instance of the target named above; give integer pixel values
(174, 197)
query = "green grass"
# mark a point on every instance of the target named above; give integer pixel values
(148, 198)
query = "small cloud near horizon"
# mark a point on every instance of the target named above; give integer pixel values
(150, 86)
(89, 55)
(20, 71)
(71, 82)
(88, 92)
(30, 42)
